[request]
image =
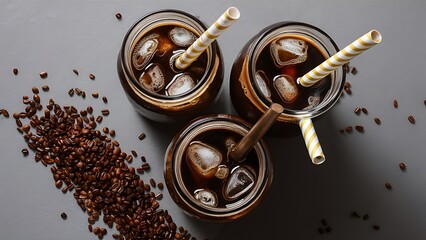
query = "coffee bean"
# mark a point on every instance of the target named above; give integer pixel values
(347, 85)
(92, 76)
(143, 158)
(18, 122)
(105, 130)
(365, 217)
(5, 113)
(43, 74)
(142, 136)
(346, 67)
(105, 112)
(348, 90)
(364, 110)
(321, 230)
(58, 183)
(376, 227)
(25, 152)
(83, 94)
(402, 166)
(134, 153)
(95, 95)
(64, 216)
(160, 186)
(118, 16)
(15, 71)
(104, 231)
(355, 215)
(152, 182)
(395, 103)
(424, 102)
(75, 71)
(35, 90)
(26, 128)
(146, 166)
(388, 186)
(96, 230)
(328, 229)
(112, 133)
(89, 109)
(99, 119)
(36, 98)
(354, 71)
(377, 121)
(105, 99)
(71, 92)
(324, 222)
(159, 196)
(411, 119)
(90, 228)
(348, 129)
(359, 128)
(357, 110)
(45, 88)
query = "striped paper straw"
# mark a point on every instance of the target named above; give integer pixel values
(204, 41)
(363, 43)
(311, 141)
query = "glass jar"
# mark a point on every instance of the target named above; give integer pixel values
(246, 95)
(161, 107)
(233, 198)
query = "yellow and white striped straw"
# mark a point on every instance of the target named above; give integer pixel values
(363, 43)
(311, 141)
(204, 41)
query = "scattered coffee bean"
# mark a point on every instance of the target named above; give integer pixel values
(83, 94)
(328, 229)
(402, 166)
(365, 217)
(78, 91)
(160, 186)
(376, 227)
(5, 113)
(95, 94)
(18, 122)
(324, 222)
(348, 90)
(90, 228)
(71, 92)
(105, 112)
(64, 216)
(348, 129)
(35, 90)
(146, 166)
(347, 84)
(142, 136)
(25, 152)
(105, 130)
(89, 109)
(354, 71)
(377, 121)
(342, 130)
(152, 182)
(58, 183)
(118, 16)
(159, 196)
(143, 158)
(364, 110)
(92, 76)
(15, 71)
(96, 230)
(395, 103)
(388, 186)
(26, 128)
(36, 98)
(411, 119)
(359, 128)
(321, 230)
(134, 153)
(45, 88)
(355, 215)
(357, 110)
(112, 133)
(424, 102)
(43, 74)
(105, 99)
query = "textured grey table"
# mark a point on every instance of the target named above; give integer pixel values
(58, 36)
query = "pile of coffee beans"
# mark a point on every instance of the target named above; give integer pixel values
(89, 162)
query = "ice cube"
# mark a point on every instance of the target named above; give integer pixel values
(144, 51)
(240, 182)
(203, 157)
(286, 87)
(153, 78)
(261, 84)
(180, 84)
(313, 101)
(222, 171)
(230, 143)
(286, 51)
(206, 197)
(182, 37)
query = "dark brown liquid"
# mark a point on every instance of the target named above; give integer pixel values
(315, 57)
(217, 139)
(162, 59)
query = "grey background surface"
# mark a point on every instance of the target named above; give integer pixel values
(57, 36)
